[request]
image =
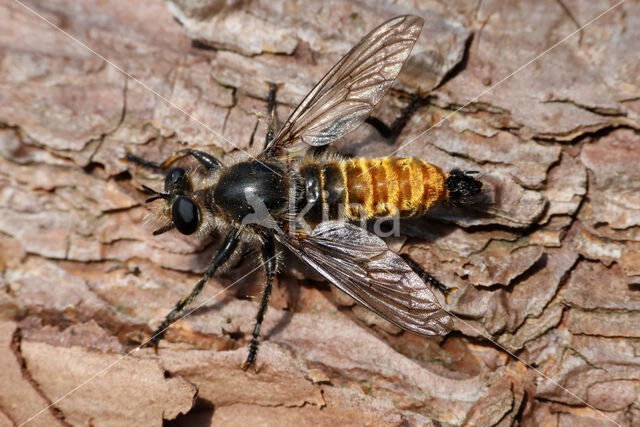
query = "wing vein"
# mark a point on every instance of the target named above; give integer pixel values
(363, 75)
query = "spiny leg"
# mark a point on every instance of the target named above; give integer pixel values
(271, 112)
(206, 160)
(426, 277)
(147, 164)
(270, 264)
(219, 259)
(392, 132)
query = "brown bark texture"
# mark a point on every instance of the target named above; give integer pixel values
(548, 304)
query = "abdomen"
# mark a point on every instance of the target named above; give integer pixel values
(370, 188)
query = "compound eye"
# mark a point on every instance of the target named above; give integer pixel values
(174, 179)
(185, 215)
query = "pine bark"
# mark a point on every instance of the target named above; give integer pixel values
(547, 280)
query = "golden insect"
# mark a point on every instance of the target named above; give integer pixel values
(292, 196)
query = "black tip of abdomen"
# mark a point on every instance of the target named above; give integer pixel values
(462, 187)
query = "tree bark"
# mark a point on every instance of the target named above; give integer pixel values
(547, 277)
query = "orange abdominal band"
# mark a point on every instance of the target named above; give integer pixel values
(388, 186)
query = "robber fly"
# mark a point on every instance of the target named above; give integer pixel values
(306, 202)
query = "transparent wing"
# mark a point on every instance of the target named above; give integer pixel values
(344, 97)
(361, 265)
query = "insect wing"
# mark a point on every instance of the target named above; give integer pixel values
(345, 97)
(361, 265)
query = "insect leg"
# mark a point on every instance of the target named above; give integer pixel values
(220, 258)
(206, 160)
(270, 263)
(392, 132)
(271, 112)
(147, 164)
(426, 277)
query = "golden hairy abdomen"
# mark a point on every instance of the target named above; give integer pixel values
(391, 186)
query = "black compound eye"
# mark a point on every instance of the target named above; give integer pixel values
(185, 215)
(174, 179)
